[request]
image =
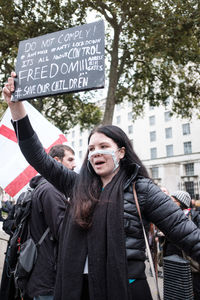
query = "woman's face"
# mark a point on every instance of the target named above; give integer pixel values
(103, 164)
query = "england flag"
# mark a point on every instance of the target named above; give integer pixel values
(15, 172)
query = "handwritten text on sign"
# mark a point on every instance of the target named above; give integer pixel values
(65, 61)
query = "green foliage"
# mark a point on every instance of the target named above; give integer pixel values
(152, 49)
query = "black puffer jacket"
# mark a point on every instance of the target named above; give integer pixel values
(156, 207)
(170, 248)
(195, 217)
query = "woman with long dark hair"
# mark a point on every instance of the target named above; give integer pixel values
(102, 247)
(92, 181)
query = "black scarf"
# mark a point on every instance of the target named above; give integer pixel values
(104, 243)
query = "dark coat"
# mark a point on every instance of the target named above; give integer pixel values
(170, 248)
(7, 288)
(195, 217)
(48, 208)
(156, 207)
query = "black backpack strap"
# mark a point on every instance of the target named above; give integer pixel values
(43, 236)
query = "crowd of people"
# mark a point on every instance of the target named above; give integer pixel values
(101, 248)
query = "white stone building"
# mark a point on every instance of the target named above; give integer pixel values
(168, 146)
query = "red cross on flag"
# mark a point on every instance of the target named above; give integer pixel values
(15, 172)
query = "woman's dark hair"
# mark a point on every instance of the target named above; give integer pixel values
(88, 187)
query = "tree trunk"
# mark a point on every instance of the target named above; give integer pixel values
(113, 80)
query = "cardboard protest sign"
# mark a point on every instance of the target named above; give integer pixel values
(70, 60)
(15, 172)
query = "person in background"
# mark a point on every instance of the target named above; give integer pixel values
(197, 205)
(7, 287)
(5, 207)
(153, 244)
(63, 154)
(101, 245)
(48, 208)
(159, 239)
(1, 217)
(192, 205)
(165, 190)
(183, 200)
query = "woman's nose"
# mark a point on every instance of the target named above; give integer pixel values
(96, 153)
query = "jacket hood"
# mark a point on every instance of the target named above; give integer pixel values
(35, 181)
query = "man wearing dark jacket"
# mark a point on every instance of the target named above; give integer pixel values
(48, 208)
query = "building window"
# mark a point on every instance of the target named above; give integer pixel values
(186, 128)
(118, 119)
(189, 169)
(118, 107)
(187, 147)
(152, 136)
(167, 116)
(131, 142)
(80, 142)
(73, 144)
(168, 133)
(152, 120)
(153, 153)
(169, 150)
(155, 172)
(189, 186)
(130, 129)
(130, 116)
(73, 133)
